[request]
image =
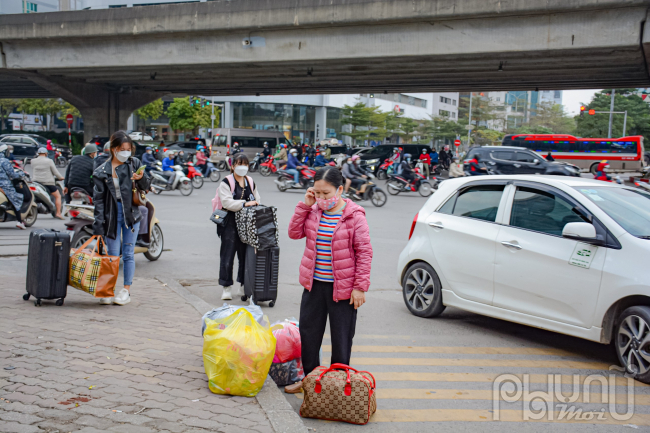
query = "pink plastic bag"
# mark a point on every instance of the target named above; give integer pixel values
(287, 347)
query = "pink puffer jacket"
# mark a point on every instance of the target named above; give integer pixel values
(351, 249)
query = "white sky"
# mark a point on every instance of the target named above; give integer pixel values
(572, 99)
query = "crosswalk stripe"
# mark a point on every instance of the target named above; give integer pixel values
(481, 377)
(469, 415)
(468, 362)
(458, 350)
(485, 394)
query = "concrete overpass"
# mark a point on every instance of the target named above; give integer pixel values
(110, 62)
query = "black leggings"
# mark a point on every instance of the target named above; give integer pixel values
(231, 245)
(316, 305)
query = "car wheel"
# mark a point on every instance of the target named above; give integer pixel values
(422, 291)
(633, 342)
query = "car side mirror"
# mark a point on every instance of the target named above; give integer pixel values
(579, 231)
(535, 161)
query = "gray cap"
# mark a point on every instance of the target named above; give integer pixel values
(42, 150)
(90, 148)
(107, 147)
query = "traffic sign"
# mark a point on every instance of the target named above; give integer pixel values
(456, 143)
(213, 117)
(69, 118)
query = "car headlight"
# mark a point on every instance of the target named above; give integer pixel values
(372, 161)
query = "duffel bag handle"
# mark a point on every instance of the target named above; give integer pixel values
(348, 385)
(347, 367)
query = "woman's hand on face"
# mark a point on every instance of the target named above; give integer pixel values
(358, 298)
(310, 198)
(251, 203)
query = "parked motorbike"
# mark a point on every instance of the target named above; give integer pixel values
(81, 224)
(397, 184)
(306, 179)
(268, 167)
(181, 182)
(194, 175)
(28, 210)
(385, 170)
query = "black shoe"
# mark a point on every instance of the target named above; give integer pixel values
(141, 243)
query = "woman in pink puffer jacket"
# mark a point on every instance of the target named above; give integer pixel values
(334, 270)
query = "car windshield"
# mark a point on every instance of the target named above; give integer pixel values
(629, 208)
(40, 140)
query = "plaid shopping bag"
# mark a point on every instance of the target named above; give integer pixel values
(92, 272)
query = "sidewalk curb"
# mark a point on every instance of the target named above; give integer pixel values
(276, 407)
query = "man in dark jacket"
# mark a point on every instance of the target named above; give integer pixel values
(80, 171)
(103, 156)
(148, 159)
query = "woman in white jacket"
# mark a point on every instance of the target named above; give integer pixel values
(235, 191)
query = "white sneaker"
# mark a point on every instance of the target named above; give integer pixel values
(122, 298)
(240, 291)
(226, 295)
(21, 226)
(105, 301)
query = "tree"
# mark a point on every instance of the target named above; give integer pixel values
(439, 128)
(483, 109)
(68, 108)
(359, 116)
(184, 117)
(596, 126)
(484, 136)
(552, 117)
(150, 111)
(7, 106)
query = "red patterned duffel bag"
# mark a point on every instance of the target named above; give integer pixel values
(339, 393)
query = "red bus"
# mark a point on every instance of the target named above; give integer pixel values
(624, 153)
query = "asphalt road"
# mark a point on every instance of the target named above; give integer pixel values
(433, 374)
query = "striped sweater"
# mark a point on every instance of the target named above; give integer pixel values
(328, 221)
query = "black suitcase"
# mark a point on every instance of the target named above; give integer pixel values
(261, 275)
(47, 265)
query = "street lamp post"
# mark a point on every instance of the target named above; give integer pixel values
(611, 114)
(469, 124)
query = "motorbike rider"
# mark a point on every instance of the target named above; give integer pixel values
(180, 158)
(148, 159)
(445, 157)
(601, 171)
(292, 165)
(406, 171)
(395, 158)
(201, 160)
(474, 168)
(456, 168)
(353, 174)
(7, 174)
(50, 150)
(44, 172)
(426, 161)
(10, 153)
(80, 172)
(103, 156)
(320, 160)
(281, 156)
(266, 152)
(311, 154)
(168, 167)
(327, 152)
(549, 157)
(433, 155)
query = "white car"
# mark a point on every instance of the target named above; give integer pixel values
(565, 254)
(140, 136)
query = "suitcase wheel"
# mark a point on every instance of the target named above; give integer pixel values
(37, 303)
(26, 297)
(244, 298)
(272, 304)
(59, 302)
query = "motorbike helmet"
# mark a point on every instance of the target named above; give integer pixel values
(395, 150)
(199, 147)
(407, 156)
(293, 152)
(266, 144)
(49, 141)
(148, 148)
(354, 158)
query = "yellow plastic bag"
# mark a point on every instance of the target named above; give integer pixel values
(237, 354)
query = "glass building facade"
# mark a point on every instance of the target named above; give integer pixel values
(297, 122)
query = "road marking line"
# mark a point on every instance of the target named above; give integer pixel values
(468, 362)
(485, 394)
(440, 415)
(458, 350)
(481, 377)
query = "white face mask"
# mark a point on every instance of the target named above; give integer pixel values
(241, 170)
(123, 155)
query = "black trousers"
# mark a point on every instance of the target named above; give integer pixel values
(231, 245)
(316, 305)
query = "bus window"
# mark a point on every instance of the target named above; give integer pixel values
(538, 145)
(245, 141)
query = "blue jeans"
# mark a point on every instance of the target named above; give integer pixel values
(125, 238)
(296, 176)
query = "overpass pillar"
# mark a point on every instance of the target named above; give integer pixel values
(104, 109)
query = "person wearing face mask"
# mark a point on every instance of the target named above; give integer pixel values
(406, 171)
(80, 171)
(266, 152)
(168, 167)
(148, 159)
(292, 165)
(7, 175)
(117, 218)
(326, 152)
(102, 157)
(353, 174)
(334, 270)
(235, 191)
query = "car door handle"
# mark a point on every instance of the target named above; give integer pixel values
(510, 244)
(437, 225)
(517, 165)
